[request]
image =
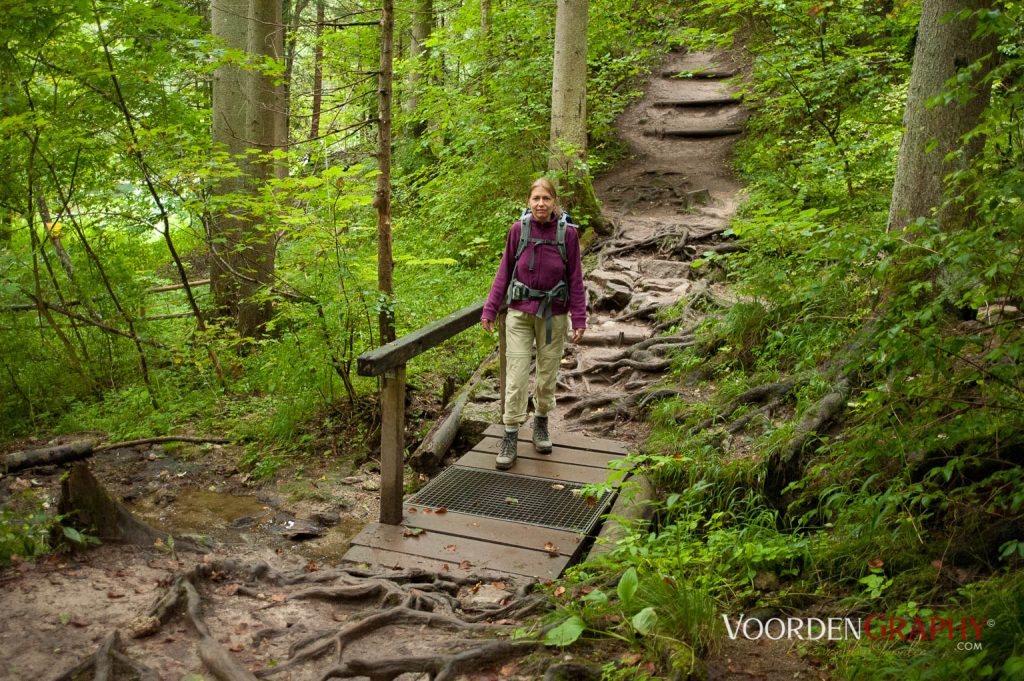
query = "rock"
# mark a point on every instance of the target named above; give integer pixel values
(143, 625)
(487, 596)
(299, 530)
(476, 417)
(352, 480)
(766, 580)
(605, 278)
(993, 314)
(371, 485)
(616, 297)
(665, 269)
(325, 518)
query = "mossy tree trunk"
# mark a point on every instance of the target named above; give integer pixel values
(568, 140)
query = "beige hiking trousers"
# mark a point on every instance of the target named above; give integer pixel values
(522, 331)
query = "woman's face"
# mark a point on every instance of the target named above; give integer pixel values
(541, 203)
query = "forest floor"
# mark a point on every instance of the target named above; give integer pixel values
(670, 201)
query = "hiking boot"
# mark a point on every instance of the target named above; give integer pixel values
(541, 439)
(507, 455)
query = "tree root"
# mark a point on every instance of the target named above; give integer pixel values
(653, 366)
(439, 667)
(409, 597)
(777, 391)
(102, 663)
(783, 466)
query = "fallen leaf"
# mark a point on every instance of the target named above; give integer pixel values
(876, 563)
(475, 524)
(649, 667)
(311, 566)
(451, 548)
(551, 549)
(584, 590)
(559, 591)
(412, 510)
(591, 502)
(412, 531)
(511, 500)
(508, 670)
(500, 586)
(631, 659)
(241, 627)
(277, 598)
(444, 567)
(668, 580)
(230, 589)
(937, 564)
(557, 487)
(441, 510)
(465, 565)
(237, 648)
(114, 594)
(427, 510)
(475, 588)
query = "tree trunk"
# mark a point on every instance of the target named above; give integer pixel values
(318, 72)
(422, 27)
(944, 47)
(382, 197)
(568, 141)
(266, 132)
(226, 229)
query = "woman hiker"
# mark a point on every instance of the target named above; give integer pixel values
(540, 279)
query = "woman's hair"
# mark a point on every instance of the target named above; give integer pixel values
(549, 186)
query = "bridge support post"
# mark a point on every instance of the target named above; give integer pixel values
(392, 445)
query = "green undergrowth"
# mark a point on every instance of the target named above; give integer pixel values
(907, 502)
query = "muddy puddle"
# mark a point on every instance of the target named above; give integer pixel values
(221, 519)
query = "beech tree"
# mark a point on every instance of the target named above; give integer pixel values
(933, 142)
(568, 141)
(248, 125)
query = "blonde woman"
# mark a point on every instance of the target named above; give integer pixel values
(540, 279)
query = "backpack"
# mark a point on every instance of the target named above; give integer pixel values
(520, 291)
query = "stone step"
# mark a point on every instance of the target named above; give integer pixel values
(694, 133)
(695, 103)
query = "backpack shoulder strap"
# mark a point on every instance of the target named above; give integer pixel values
(524, 233)
(564, 223)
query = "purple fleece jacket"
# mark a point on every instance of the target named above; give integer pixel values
(547, 272)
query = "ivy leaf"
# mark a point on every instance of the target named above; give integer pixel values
(565, 633)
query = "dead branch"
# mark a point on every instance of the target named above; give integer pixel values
(75, 451)
(428, 456)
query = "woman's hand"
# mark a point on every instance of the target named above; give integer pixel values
(577, 335)
(488, 324)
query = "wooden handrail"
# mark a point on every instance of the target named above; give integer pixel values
(388, 361)
(396, 353)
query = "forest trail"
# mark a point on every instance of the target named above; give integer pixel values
(670, 201)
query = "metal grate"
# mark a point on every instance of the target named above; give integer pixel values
(521, 498)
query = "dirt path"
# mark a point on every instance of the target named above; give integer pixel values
(670, 201)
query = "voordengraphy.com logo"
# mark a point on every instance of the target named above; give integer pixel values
(877, 627)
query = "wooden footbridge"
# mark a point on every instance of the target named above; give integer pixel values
(529, 522)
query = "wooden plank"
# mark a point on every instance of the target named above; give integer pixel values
(574, 440)
(539, 468)
(392, 446)
(576, 457)
(493, 530)
(393, 559)
(515, 560)
(398, 352)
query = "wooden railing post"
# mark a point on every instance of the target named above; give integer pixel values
(388, 361)
(392, 446)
